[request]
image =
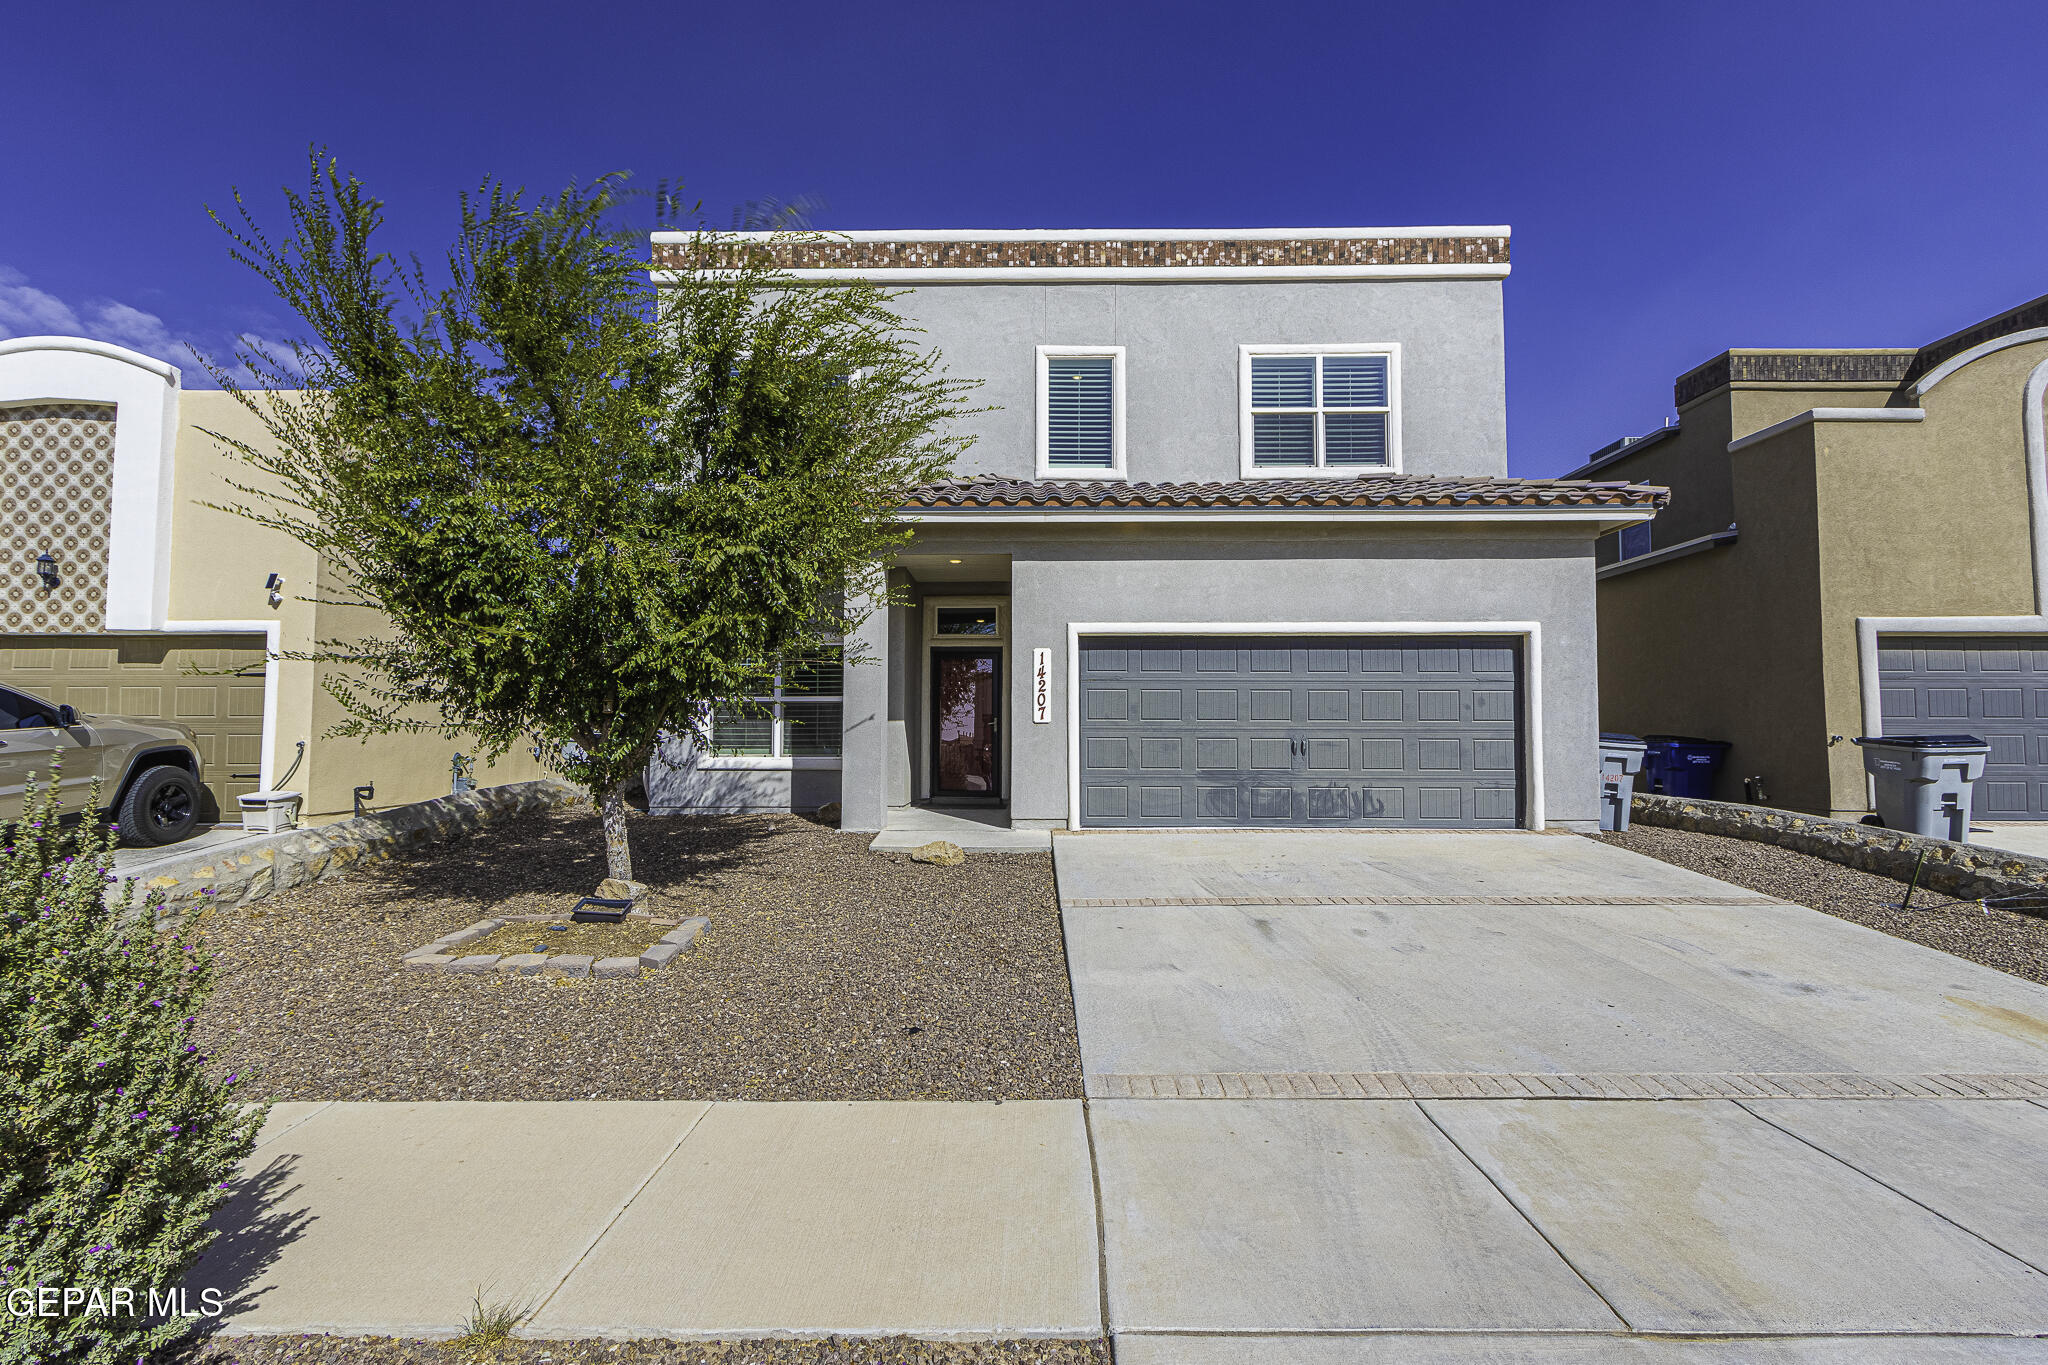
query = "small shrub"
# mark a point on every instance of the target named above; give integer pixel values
(115, 1142)
(490, 1325)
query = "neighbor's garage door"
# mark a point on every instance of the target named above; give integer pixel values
(1221, 730)
(1996, 689)
(147, 676)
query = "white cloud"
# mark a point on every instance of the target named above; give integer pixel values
(28, 311)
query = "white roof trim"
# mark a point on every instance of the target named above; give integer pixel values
(1044, 274)
(1828, 415)
(1108, 234)
(163, 370)
(1977, 352)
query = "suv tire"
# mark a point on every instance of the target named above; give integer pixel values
(161, 807)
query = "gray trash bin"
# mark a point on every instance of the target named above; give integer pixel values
(1923, 781)
(1621, 758)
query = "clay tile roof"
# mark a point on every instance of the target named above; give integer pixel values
(1372, 491)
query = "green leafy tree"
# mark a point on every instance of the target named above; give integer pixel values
(115, 1142)
(584, 504)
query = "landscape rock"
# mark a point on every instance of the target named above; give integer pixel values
(614, 889)
(828, 814)
(310, 853)
(939, 853)
(1964, 871)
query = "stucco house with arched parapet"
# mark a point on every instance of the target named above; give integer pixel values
(1857, 544)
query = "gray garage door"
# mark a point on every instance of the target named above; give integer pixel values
(1996, 689)
(1236, 730)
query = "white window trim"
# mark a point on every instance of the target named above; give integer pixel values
(932, 604)
(1046, 469)
(777, 734)
(1247, 469)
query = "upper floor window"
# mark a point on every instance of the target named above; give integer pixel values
(1080, 412)
(1632, 541)
(1319, 409)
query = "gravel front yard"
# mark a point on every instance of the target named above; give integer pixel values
(827, 1351)
(828, 973)
(2010, 942)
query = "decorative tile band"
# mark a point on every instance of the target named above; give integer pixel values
(1461, 1085)
(1088, 904)
(826, 252)
(1791, 367)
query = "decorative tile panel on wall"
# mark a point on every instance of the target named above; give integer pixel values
(56, 495)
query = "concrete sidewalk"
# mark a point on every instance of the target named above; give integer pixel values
(660, 1219)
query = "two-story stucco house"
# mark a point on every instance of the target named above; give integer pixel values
(1234, 547)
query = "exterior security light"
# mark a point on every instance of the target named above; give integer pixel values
(274, 585)
(46, 569)
(952, 561)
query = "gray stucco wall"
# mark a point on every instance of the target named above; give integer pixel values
(1240, 575)
(1181, 362)
(677, 785)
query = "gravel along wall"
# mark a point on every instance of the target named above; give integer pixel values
(247, 872)
(1964, 871)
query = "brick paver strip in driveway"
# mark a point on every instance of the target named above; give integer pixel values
(1538, 1085)
(1699, 1217)
(1238, 1216)
(860, 1218)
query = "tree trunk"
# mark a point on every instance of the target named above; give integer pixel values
(618, 854)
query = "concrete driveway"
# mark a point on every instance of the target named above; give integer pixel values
(1353, 1092)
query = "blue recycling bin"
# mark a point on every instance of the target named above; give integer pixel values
(1680, 765)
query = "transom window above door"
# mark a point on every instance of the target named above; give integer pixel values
(1080, 412)
(1309, 410)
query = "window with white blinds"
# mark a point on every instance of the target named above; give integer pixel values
(1080, 412)
(1319, 409)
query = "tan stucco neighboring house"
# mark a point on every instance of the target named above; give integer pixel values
(1856, 544)
(162, 606)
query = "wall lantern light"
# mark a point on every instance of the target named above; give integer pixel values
(46, 569)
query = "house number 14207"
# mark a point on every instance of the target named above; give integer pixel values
(1041, 687)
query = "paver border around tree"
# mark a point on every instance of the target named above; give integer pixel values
(436, 956)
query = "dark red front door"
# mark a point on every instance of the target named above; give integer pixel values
(966, 723)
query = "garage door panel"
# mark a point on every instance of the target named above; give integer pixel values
(1995, 688)
(1369, 731)
(186, 678)
(91, 701)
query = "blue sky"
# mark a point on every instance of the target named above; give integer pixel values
(1680, 178)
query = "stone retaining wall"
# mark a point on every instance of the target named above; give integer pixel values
(1965, 871)
(250, 871)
